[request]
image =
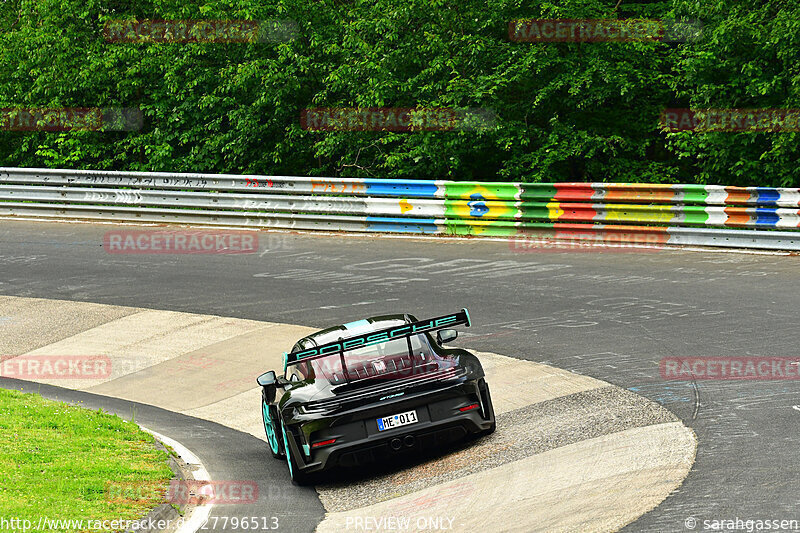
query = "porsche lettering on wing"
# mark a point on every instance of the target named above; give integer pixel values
(367, 340)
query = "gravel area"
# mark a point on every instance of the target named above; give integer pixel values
(520, 433)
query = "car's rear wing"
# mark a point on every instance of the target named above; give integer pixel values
(377, 337)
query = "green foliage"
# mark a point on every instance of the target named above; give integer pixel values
(565, 111)
(747, 58)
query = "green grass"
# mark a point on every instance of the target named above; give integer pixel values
(65, 462)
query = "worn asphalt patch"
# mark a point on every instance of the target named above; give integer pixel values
(520, 433)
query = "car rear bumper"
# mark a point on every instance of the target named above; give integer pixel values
(386, 445)
(358, 440)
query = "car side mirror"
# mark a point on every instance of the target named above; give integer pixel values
(267, 378)
(446, 335)
(271, 383)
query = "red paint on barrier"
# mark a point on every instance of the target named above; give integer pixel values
(737, 195)
(738, 216)
(615, 192)
(577, 212)
(573, 191)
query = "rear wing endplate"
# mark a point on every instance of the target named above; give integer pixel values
(377, 337)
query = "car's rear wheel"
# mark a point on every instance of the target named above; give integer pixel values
(271, 429)
(297, 476)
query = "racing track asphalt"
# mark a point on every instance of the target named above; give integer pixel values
(609, 314)
(227, 454)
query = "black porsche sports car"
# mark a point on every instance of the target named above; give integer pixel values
(372, 389)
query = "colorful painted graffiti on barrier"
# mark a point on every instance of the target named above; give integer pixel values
(488, 207)
(667, 213)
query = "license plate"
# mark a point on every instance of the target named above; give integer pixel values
(395, 421)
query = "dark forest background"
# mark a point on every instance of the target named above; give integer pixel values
(565, 111)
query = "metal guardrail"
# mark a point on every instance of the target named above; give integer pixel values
(709, 215)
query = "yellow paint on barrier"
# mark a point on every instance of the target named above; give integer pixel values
(554, 210)
(337, 187)
(653, 192)
(631, 213)
(479, 203)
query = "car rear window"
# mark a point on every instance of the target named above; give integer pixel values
(388, 360)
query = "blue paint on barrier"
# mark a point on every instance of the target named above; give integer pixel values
(766, 216)
(402, 188)
(768, 195)
(403, 225)
(477, 205)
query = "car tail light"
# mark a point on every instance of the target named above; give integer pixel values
(469, 407)
(323, 443)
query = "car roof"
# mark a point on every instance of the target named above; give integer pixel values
(351, 329)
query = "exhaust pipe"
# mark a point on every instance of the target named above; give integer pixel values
(408, 440)
(396, 444)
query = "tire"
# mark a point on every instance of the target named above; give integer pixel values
(271, 429)
(298, 477)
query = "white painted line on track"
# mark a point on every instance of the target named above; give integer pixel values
(199, 516)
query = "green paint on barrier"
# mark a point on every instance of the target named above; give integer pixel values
(488, 190)
(694, 214)
(493, 229)
(693, 194)
(534, 211)
(483, 228)
(537, 191)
